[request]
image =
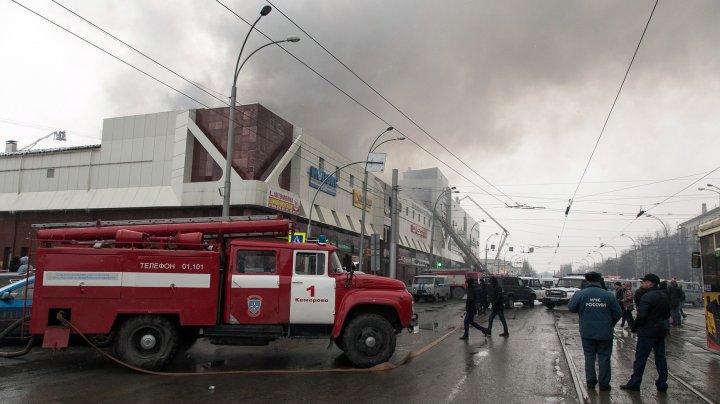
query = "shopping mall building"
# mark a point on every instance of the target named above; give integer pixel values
(170, 165)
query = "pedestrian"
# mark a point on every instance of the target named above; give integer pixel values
(663, 285)
(677, 296)
(627, 305)
(619, 292)
(682, 303)
(653, 309)
(25, 267)
(495, 295)
(471, 308)
(483, 287)
(599, 311)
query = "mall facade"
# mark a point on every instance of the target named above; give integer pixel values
(171, 165)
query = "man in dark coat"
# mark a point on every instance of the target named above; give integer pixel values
(471, 307)
(599, 311)
(653, 309)
(495, 294)
(483, 289)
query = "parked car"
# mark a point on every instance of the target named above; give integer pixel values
(564, 290)
(430, 287)
(13, 300)
(514, 290)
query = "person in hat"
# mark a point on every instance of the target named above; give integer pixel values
(471, 308)
(599, 311)
(652, 310)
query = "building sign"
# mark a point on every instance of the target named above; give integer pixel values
(404, 260)
(283, 201)
(357, 201)
(418, 230)
(317, 176)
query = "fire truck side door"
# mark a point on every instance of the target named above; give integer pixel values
(254, 287)
(312, 296)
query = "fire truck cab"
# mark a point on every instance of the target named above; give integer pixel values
(157, 287)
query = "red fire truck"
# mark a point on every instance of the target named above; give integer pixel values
(155, 286)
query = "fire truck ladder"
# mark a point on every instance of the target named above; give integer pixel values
(236, 226)
(470, 258)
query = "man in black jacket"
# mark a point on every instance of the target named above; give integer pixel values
(653, 309)
(471, 307)
(495, 294)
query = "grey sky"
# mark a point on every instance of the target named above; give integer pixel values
(519, 90)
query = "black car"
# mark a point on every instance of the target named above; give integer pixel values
(514, 290)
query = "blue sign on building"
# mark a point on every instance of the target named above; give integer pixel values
(317, 176)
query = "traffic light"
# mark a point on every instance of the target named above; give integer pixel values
(439, 264)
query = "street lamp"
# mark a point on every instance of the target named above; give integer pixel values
(471, 232)
(486, 248)
(312, 204)
(231, 119)
(593, 258)
(364, 194)
(667, 242)
(717, 190)
(617, 264)
(602, 258)
(636, 248)
(446, 192)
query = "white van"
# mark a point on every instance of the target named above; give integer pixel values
(534, 284)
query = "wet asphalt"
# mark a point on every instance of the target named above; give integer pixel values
(527, 367)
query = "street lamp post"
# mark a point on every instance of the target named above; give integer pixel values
(593, 258)
(602, 258)
(617, 264)
(364, 194)
(716, 190)
(446, 192)
(231, 119)
(486, 247)
(471, 232)
(312, 204)
(667, 243)
(636, 248)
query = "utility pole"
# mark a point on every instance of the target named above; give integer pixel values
(394, 224)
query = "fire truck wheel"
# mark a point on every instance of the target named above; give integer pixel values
(147, 342)
(458, 293)
(369, 340)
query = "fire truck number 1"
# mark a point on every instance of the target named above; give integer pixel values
(193, 267)
(311, 289)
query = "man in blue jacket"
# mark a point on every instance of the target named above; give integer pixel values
(652, 311)
(599, 311)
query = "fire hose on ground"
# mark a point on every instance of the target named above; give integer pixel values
(7, 331)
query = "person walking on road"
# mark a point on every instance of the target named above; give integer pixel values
(471, 307)
(652, 311)
(599, 312)
(495, 295)
(483, 302)
(627, 305)
(677, 297)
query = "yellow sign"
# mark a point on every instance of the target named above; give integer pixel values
(357, 201)
(296, 238)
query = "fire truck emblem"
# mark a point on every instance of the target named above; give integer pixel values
(254, 303)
